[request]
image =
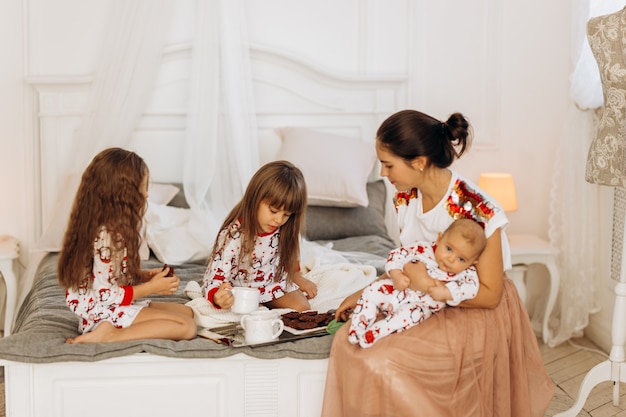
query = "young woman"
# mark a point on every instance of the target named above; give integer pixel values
(482, 361)
(99, 263)
(259, 243)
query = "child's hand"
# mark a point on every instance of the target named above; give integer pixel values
(400, 280)
(224, 296)
(169, 269)
(440, 293)
(147, 274)
(160, 284)
(308, 287)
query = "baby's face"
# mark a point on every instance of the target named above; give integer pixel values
(454, 253)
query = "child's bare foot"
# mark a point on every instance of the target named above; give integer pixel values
(100, 334)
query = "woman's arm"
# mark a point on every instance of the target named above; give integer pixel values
(420, 280)
(490, 274)
(347, 305)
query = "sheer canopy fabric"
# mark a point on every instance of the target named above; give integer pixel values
(574, 223)
(220, 144)
(221, 151)
(125, 75)
(123, 82)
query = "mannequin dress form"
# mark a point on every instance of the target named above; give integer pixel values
(606, 165)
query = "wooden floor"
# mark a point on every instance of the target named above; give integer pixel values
(567, 364)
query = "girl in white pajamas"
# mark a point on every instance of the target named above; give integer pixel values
(259, 243)
(99, 265)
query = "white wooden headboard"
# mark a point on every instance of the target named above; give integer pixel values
(288, 92)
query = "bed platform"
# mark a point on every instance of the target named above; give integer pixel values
(46, 377)
(151, 377)
(156, 377)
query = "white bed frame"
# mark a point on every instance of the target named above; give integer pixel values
(288, 92)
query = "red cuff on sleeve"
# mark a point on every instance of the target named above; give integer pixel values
(128, 295)
(210, 296)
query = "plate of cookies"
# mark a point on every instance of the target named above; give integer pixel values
(306, 321)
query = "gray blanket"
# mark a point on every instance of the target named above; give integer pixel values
(44, 322)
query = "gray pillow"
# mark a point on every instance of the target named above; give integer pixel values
(179, 199)
(330, 223)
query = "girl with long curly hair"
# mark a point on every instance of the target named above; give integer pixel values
(99, 263)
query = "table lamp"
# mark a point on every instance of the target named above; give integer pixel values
(501, 187)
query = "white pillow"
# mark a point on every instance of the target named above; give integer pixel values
(336, 168)
(169, 236)
(161, 193)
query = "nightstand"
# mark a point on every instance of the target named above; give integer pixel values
(9, 252)
(529, 249)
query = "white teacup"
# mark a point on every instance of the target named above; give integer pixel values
(261, 327)
(246, 300)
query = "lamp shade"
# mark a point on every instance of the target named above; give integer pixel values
(501, 187)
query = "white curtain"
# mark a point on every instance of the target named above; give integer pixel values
(574, 223)
(125, 74)
(221, 150)
(220, 146)
(131, 51)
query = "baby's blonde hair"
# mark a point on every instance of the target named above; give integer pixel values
(471, 231)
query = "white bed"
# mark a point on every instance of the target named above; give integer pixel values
(144, 379)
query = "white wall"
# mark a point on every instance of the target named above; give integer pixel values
(13, 156)
(504, 64)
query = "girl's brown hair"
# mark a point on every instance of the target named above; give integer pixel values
(109, 195)
(279, 184)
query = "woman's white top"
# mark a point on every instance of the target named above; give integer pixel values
(463, 199)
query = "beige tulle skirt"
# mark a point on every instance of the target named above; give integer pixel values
(460, 362)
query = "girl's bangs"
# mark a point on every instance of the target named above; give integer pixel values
(286, 199)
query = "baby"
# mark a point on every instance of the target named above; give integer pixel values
(450, 261)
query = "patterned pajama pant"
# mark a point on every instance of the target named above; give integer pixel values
(383, 310)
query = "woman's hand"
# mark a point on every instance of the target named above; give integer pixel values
(490, 271)
(420, 280)
(224, 296)
(344, 311)
(400, 280)
(440, 293)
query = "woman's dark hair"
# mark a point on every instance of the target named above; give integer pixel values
(410, 134)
